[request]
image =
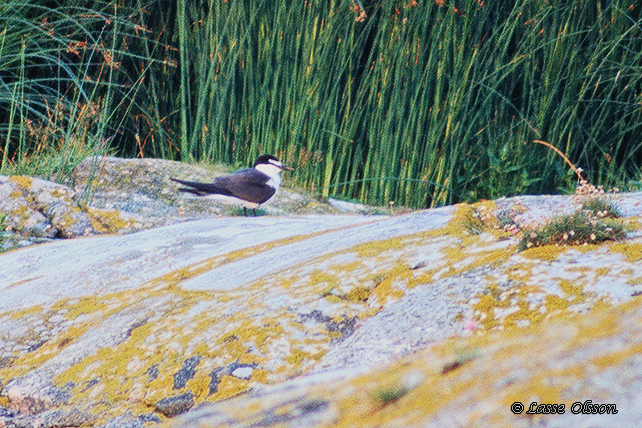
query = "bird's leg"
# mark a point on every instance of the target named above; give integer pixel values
(256, 213)
(245, 211)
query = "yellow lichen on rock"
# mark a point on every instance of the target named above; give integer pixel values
(546, 252)
(22, 181)
(108, 221)
(280, 325)
(502, 371)
(631, 250)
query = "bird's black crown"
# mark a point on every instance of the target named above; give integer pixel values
(265, 159)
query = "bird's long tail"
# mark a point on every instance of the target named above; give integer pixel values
(199, 189)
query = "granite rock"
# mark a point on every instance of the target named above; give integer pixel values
(417, 319)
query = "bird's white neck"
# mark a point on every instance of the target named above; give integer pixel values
(270, 170)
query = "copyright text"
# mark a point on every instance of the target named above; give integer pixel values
(584, 408)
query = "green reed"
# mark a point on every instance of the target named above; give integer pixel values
(445, 101)
(410, 102)
(65, 84)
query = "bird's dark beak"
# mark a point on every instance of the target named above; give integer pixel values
(286, 168)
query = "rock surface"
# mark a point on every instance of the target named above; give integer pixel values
(305, 320)
(107, 195)
(42, 209)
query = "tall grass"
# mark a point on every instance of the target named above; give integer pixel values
(65, 86)
(419, 102)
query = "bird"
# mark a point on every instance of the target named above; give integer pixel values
(249, 187)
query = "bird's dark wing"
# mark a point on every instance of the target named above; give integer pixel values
(247, 184)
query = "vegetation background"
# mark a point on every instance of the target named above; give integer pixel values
(421, 102)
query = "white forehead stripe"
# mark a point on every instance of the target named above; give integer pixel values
(275, 162)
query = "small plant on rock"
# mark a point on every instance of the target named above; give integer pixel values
(390, 394)
(251, 212)
(3, 227)
(597, 219)
(582, 227)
